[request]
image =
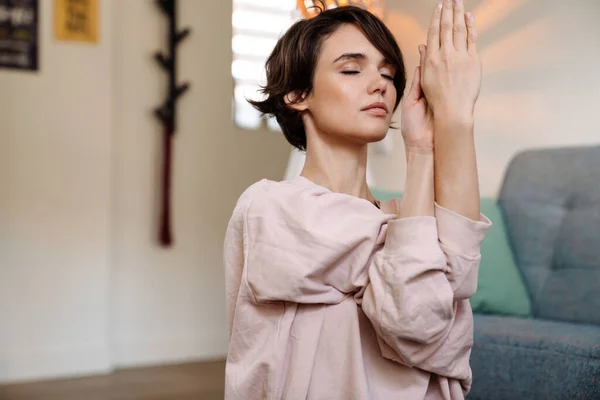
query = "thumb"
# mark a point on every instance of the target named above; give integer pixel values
(415, 92)
(423, 53)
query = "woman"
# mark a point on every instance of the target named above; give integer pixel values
(331, 294)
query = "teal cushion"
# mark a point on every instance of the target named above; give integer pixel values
(500, 289)
(384, 195)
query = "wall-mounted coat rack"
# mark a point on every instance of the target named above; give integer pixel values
(167, 113)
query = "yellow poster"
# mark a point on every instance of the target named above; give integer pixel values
(76, 20)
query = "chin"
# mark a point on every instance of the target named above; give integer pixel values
(365, 133)
(364, 138)
(374, 132)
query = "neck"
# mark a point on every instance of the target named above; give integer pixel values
(340, 167)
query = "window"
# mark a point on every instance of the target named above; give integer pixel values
(257, 25)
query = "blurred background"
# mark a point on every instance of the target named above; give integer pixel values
(85, 286)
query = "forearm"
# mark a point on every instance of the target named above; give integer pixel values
(418, 198)
(456, 179)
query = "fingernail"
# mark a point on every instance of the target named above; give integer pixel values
(439, 6)
(457, 2)
(470, 16)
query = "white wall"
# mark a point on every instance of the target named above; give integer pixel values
(540, 88)
(168, 304)
(55, 192)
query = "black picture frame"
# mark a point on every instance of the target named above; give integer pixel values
(19, 34)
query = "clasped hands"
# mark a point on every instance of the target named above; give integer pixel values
(446, 84)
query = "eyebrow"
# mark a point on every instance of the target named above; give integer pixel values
(351, 56)
(360, 57)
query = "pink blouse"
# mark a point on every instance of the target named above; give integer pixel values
(331, 298)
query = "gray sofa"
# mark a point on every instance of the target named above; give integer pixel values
(551, 202)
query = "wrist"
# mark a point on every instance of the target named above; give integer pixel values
(418, 160)
(418, 150)
(453, 116)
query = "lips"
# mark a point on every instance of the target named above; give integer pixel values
(377, 107)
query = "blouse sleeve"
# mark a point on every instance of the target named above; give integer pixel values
(460, 240)
(418, 307)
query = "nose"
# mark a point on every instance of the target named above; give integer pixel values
(378, 84)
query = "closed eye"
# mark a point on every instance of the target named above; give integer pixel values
(388, 77)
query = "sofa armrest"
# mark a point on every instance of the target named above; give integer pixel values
(518, 358)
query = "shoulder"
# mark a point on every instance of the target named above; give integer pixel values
(251, 193)
(265, 191)
(235, 226)
(263, 194)
(296, 191)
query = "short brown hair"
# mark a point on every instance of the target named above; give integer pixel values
(291, 65)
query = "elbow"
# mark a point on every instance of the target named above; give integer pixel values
(422, 325)
(413, 348)
(465, 291)
(431, 325)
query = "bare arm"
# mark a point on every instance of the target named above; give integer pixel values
(418, 198)
(456, 179)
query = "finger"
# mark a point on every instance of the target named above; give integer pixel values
(471, 33)
(446, 25)
(415, 92)
(460, 27)
(433, 36)
(423, 53)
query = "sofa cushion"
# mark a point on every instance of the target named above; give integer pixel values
(500, 286)
(385, 195)
(519, 358)
(551, 200)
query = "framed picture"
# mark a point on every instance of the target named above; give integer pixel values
(76, 21)
(19, 34)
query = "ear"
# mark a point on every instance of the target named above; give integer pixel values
(296, 101)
